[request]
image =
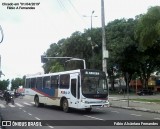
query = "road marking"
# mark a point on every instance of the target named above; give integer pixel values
(112, 97)
(27, 104)
(135, 115)
(11, 105)
(30, 114)
(157, 118)
(37, 118)
(115, 111)
(50, 126)
(24, 111)
(93, 117)
(2, 106)
(19, 105)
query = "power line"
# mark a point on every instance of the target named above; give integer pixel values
(77, 12)
(64, 8)
(75, 8)
(61, 5)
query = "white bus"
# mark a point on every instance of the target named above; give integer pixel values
(80, 89)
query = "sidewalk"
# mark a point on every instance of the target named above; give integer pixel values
(121, 101)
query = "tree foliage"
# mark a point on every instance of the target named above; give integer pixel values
(4, 84)
(147, 35)
(148, 28)
(15, 83)
(133, 44)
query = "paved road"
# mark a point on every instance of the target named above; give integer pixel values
(25, 110)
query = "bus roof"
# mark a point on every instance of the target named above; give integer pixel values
(56, 73)
(60, 73)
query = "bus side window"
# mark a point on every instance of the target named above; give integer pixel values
(54, 81)
(47, 82)
(39, 82)
(33, 82)
(27, 84)
(64, 81)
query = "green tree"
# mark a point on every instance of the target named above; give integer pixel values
(148, 28)
(4, 84)
(75, 46)
(122, 47)
(15, 83)
(133, 44)
(54, 51)
(148, 36)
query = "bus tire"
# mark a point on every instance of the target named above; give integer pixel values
(36, 100)
(88, 110)
(65, 105)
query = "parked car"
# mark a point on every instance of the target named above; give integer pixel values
(145, 92)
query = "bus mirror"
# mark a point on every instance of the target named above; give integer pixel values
(44, 59)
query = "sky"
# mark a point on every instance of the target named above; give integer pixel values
(28, 33)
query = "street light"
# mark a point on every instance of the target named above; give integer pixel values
(91, 16)
(90, 38)
(91, 19)
(1, 34)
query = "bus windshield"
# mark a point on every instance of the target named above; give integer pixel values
(94, 85)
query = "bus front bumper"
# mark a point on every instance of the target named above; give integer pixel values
(90, 104)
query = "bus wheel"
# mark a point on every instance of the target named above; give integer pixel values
(65, 105)
(88, 109)
(36, 100)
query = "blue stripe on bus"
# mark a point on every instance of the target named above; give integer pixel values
(46, 91)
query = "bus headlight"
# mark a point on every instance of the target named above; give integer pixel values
(84, 101)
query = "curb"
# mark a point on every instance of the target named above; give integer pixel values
(137, 109)
(134, 108)
(0, 121)
(124, 100)
(133, 101)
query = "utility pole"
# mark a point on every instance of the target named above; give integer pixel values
(1, 73)
(104, 51)
(0, 67)
(127, 77)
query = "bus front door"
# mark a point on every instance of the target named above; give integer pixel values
(74, 90)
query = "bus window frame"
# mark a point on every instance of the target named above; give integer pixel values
(55, 78)
(38, 82)
(45, 85)
(34, 82)
(66, 80)
(28, 85)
